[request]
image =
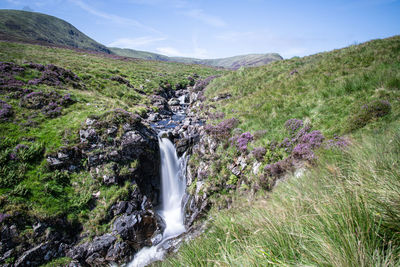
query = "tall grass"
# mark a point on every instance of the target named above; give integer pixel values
(345, 212)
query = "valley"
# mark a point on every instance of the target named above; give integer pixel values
(114, 156)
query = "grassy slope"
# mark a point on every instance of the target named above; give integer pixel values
(235, 62)
(36, 27)
(326, 89)
(343, 212)
(99, 95)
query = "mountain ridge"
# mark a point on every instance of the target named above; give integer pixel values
(233, 62)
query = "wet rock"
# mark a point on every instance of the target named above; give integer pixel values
(182, 145)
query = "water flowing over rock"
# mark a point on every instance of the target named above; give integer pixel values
(173, 190)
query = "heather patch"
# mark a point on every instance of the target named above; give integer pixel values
(241, 141)
(53, 75)
(6, 111)
(51, 104)
(223, 129)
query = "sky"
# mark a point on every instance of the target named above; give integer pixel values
(222, 28)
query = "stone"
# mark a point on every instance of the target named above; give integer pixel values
(89, 121)
(153, 117)
(54, 162)
(118, 252)
(88, 135)
(112, 130)
(256, 167)
(101, 244)
(124, 226)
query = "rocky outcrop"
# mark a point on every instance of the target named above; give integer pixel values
(130, 232)
(116, 147)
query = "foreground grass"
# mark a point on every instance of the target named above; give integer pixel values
(345, 212)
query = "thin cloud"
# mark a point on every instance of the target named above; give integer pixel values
(170, 51)
(205, 18)
(173, 52)
(135, 42)
(112, 17)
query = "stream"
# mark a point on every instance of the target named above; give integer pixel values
(173, 188)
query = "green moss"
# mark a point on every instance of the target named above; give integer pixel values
(64, 261)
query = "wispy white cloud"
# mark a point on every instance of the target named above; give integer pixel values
(200, 15)
(173, 52)
(134, 43)
(114, 18)
(170, 51)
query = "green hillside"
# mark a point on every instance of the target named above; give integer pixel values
(251, 60)
(329, 125)
(32, 27)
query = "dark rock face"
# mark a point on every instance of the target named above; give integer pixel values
(40, 254)
(111, 144)
(130, 232)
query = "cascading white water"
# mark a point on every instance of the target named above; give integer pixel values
(173, 184)
(173, 189)
(182, 99)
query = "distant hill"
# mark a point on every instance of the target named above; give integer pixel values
(251, 60)
(125, 52)
(32, 27)
(37, 28)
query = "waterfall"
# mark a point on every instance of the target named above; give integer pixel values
(173, 185)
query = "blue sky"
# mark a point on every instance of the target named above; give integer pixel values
(221, 28)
